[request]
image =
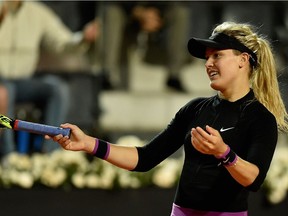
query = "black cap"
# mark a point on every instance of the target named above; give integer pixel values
(197, 47)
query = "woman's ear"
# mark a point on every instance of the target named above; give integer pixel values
(244, 59)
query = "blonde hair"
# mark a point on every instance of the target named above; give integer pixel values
(263, 77)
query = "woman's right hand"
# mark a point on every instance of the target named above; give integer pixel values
(78, 140)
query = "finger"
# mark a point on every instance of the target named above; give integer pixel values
(68, 125)
(57, 138)
(47, 137)
(196, 135)
(212, 131)
(66, 144)
(203, 133)
(65, 125)
(204, 144)
(199, 146)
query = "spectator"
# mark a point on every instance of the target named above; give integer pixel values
(124, 21)
(25, 27)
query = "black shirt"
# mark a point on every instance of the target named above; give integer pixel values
(245, 125)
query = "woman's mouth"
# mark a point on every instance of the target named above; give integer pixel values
(212, 74)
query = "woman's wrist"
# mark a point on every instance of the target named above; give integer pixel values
(223, 154)
(89, 144)
(101, 149)
(228, 158)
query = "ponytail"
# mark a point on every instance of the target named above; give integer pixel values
(265, 84)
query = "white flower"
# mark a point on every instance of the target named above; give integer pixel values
(53, 177)
(108, 176)
(167, 174)
(277, 195)
(78, 180)
(39, 161)
(276, 181)
(12, 176)
(18, 161)
(25, 180)
(92, 181)
(125, 179)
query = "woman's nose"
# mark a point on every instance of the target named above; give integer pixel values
(209, 63)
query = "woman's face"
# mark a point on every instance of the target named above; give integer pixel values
(222, 67)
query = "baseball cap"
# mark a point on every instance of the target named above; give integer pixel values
(197, 46)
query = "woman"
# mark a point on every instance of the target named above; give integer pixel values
(229, 139)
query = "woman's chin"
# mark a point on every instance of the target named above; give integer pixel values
(214, 86)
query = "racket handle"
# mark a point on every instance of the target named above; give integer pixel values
(40, 128)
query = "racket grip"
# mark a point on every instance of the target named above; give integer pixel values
(40, 128)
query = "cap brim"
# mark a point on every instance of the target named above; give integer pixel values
(197, 47)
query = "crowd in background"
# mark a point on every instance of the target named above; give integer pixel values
(160, 29)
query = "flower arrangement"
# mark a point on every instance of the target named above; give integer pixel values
(276, 183)
(66, 169)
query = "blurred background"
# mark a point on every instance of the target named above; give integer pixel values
(137, 97)
(133, 77)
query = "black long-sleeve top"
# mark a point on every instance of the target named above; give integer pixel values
(245, 125)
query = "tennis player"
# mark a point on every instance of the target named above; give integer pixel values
(229, 139)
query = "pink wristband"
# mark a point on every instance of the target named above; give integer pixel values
(101, 149)
(225, 153)
(229, 158)
(95, 147)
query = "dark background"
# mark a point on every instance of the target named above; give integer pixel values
(124, 202)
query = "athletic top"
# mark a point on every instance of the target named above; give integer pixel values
(245, 125)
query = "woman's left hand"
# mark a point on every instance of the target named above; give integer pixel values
(208, 142)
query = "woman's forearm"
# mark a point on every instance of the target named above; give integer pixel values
(123, 157)
(243, 172)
